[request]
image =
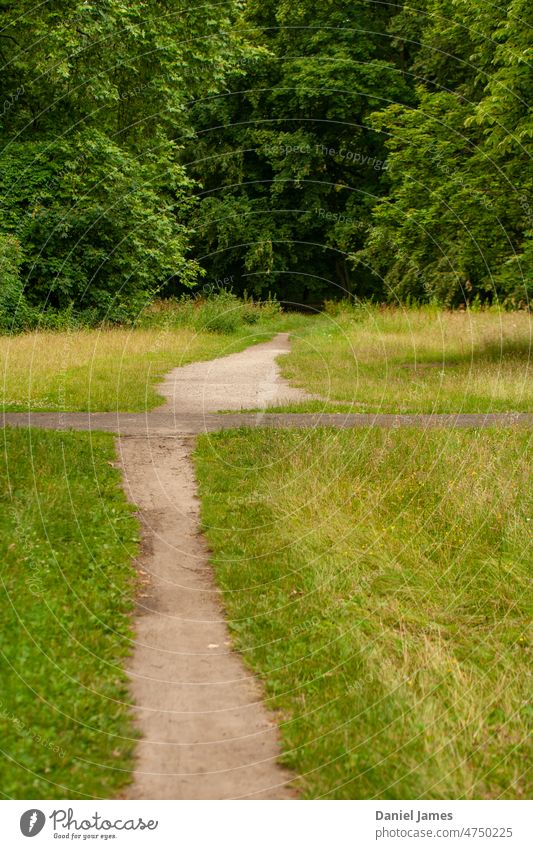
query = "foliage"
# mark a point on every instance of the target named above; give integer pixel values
(219, 312)
(456, 221)
(98, 224)
(13, 306)
(373, 150)
(419, 360)
(310, 150)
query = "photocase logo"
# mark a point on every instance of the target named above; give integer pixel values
(32, 822)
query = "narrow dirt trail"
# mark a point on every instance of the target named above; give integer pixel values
(206, 733)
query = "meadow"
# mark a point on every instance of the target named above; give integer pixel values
(374, 580)
(378, 583)
(117, 368)
(359, 359)
(366, 358)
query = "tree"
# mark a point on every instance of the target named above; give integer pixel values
(290, 168)
(455, 223)
(91, 185)
(311, 150)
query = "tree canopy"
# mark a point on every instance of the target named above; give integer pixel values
(310, 150)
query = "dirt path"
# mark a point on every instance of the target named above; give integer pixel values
(248, 380)
(206, 733)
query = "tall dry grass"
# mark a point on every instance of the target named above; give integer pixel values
(416, 360)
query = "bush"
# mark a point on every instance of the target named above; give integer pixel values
(218, 312)
(14, 310)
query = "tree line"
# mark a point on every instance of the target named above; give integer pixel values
(310, 150)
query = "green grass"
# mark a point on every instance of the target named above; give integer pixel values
(371, 359)
(377, 581)
(67, 538)
(117, 368)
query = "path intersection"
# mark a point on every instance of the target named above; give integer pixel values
(205, 731)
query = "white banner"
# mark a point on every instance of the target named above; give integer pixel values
(268, 825)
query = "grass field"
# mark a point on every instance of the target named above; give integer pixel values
(366, 360)
(117, 368)
(414, 361)
(377, 581)
(67, 538)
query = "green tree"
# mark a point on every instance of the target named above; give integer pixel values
(290, 168)
(91, 184)
(455, 223)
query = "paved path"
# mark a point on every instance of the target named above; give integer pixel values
(205, 730)
(160, 424)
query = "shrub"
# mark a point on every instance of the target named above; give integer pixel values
(219, 312)
(14, 310)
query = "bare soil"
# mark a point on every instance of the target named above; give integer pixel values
(206, 733)
(249, 379)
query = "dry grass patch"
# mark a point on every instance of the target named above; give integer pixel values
(415, 360)
(102, 370)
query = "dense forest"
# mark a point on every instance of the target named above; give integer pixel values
(311, 150)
